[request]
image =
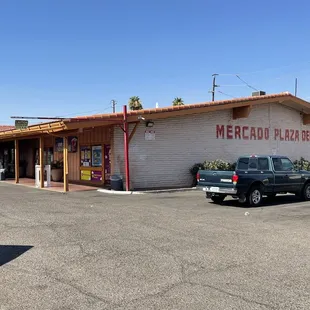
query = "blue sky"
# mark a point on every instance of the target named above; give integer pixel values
(66, 58)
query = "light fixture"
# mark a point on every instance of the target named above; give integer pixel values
(149, 123)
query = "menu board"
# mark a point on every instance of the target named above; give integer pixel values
(97, 156)
(85, 156)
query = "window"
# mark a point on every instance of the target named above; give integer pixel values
(282, 164)
(243, 163)
(252, 163)
(287, 164)
(263, 163)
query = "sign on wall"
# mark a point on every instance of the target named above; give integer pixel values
(231, 132)
(85, 156)
(149, 135)
(96, 156)
(59, 145)
(72, 144)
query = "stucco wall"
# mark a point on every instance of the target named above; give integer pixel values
(180, 142)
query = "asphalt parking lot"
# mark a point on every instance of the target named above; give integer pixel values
(90, 250)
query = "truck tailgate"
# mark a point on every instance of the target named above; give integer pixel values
(215, 178)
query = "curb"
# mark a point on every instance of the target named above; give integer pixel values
(107, 191)
(159, 191)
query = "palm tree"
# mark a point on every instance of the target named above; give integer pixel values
(135, 103)
(177, 101)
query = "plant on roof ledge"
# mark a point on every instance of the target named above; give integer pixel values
(135, 103)
(177, 101)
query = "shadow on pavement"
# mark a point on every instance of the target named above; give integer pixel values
(267, 202)
(10, 252)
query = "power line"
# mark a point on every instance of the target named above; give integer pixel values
(245, 82)
(85, 112)
(226, 94)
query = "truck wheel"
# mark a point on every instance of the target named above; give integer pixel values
(218, 199)
(255, 196)
(306, 192)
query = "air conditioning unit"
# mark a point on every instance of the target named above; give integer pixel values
(258, 93)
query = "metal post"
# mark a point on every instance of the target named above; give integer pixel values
(214, 85)
(41, 162)
(65, 164)
(126, 148)
(113, 105)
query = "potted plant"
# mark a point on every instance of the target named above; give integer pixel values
(57, 170)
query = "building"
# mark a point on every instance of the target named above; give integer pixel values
(163, 143)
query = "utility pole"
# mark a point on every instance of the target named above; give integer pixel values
(295, 87)
(113, 102)
(214, 85)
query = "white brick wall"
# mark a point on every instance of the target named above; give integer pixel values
(182, 141)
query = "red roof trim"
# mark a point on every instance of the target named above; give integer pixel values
(6, 127)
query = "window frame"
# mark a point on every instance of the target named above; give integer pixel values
(282, 158)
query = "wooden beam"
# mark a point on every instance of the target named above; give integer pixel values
(61, 135)
(92, 123)
(65, 164)
(41, 155)
(241, 112)
(16, 161)
(306, 119)
(133, 131)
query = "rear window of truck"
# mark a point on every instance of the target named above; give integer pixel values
(243, 163)
(255, 163)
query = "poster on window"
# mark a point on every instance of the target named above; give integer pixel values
(85, 156)
(72, 144)
(59, 145)
(97, 156)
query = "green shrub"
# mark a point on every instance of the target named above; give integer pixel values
(302, 164)
(218, 164)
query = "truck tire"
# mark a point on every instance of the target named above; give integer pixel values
(218, 199)
(255, 196)
(306, 192)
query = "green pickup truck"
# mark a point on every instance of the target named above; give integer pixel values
(255, 176)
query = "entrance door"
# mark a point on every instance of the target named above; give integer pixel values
(107, 163)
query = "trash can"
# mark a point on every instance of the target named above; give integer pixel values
(2, 174)
(116, 182)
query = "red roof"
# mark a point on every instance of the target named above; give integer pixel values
(6, 127)
(258, 99)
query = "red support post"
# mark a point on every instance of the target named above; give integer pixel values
(126, 148)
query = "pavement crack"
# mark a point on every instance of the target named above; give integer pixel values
(232, 294)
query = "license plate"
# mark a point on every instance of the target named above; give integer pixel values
(214, 189)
